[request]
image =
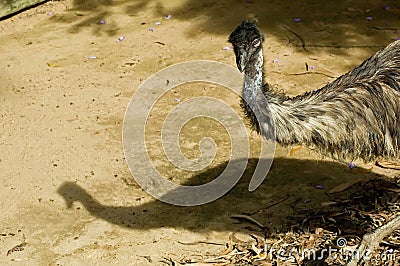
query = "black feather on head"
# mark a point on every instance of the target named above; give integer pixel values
(246, 40)
(245, 33)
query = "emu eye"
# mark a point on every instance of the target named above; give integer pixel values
(256, 42)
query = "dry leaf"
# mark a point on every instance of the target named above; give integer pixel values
(19, 247)
(328, 203)
(344, 186)
(362, 170)
(294, 149)
(318, 230)
(53, 65)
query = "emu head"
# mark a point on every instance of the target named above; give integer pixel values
(246, 40)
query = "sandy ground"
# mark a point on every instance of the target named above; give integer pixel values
(65, 187)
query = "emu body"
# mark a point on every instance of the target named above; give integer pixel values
(355, 116)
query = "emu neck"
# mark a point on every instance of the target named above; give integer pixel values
(256, 98)
(271, 114)
(253, 80)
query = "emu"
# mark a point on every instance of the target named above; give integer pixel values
(355, 116)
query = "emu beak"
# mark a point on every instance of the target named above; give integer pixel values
(241, 60)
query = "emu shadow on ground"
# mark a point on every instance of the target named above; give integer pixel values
(293, 198)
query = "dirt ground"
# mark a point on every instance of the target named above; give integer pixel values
(65, 187)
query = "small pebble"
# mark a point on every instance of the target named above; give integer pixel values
(275, 60)
(121, 38)
(168, 17)
(151, 29)
(102, 22)
(368, 18)
(312, 67)
(352, 165)
(319, 186)
(157, 23)
(227, 48)
(92, 57)
(177, 100)
(50, 14)
(297, 20)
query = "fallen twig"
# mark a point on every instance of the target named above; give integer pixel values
(392, 245)
(339, 46)
(344, 186)
(383, 28)
(275, 203)
(249, 218)
(303, 73)
(371, 241)
(168, 261)
(303, 44)
(201, 242)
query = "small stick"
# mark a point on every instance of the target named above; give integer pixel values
(371, 241)
(304, 73)
(344, 46)
(270, 205)
(249, 218)
(201, 242)
(303, 44)
(384, 28)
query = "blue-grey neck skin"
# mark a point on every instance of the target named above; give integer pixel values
(255, 100)
(253, 78)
